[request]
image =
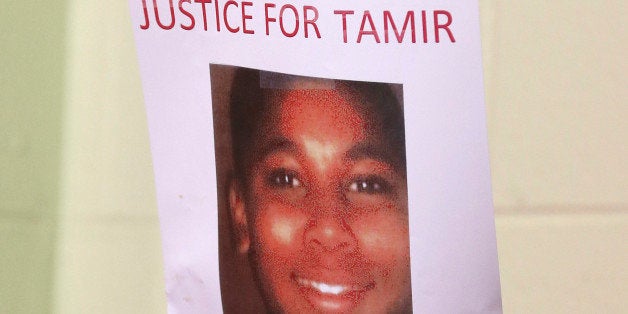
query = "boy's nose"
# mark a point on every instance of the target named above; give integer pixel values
(329, 233)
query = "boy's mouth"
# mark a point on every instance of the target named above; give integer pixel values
(328, 288)
(332, 296)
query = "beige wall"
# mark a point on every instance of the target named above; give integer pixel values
(556, 90)
(108, 252)
(556, 94)
(32, 62)
(557, 102)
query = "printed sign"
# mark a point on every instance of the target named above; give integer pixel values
(319, 157)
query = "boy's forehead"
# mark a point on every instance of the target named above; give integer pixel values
(279, 101)
(324, 129)
(327, 111)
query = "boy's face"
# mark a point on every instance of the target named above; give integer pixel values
(326, 209)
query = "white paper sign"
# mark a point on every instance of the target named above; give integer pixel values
(319, 156)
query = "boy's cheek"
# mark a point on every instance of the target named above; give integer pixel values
(382, 238)
(278, 228)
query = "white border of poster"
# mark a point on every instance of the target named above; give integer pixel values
(454, 265)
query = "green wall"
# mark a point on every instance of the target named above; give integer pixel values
(32, 62)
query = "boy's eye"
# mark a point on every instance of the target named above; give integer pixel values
(283, 179)
(369, 185)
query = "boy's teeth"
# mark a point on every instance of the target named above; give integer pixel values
(323, 287)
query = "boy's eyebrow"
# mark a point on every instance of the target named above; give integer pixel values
(377, 152)
(369, 150)
(276, 144)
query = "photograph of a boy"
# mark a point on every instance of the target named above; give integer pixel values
(315, 193)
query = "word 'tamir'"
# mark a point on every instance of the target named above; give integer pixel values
(439, 22)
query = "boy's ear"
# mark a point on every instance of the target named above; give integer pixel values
(238, 217)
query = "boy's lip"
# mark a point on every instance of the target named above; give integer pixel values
(337, 293)
(330, 288)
